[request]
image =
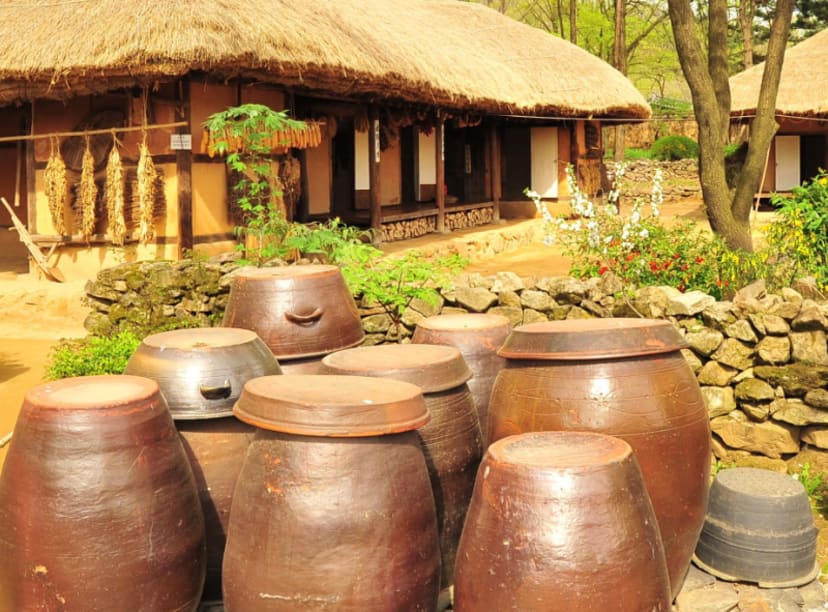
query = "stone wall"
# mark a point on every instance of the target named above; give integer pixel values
(760, 359)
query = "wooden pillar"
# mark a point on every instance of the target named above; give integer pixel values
(494, 147)
(31, 183)
(183, 171)
(374, 174)
(440, 153)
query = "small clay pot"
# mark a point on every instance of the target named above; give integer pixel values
(201, 371)
(299, 311)
(99, 509)
(560, 521)
(451, 441)
(333, 506)
(478, 337)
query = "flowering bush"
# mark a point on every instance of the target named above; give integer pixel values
(639, 248)
(798, 236)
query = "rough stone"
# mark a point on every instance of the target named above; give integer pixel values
(692, 360)
(717, 374)
(813, 596)
(818, 398)
(734, 353)
(766, 438)
(507, 281)
(475, 299)
(774, 349)
(754, 599)
(374, 324)
(688, 304)
(704, 341)
(453, 310)
(815, 436)
(797, 412)
(373, 339)
(515, 315)
(426, 308)
(754, 390)
(477, 280)
(720, 597)
(697, 579)
(741, 330)
(410, 317)
(509, 298)
(809, 347)
(807, 287)
(719, 315)
(757, 320)
(559, 312)
(756, 412)
(810, 317)
(743, 375)
(785, 309)
(533, 316)
(754, 291)
(565, 290)
(719, 400)
(537, 300)
(796, 379)
(652, 302)
(576, 312)
(594, 309)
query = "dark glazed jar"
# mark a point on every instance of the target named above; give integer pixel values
(561, 521)
(451, 441)
(201, 372)
(626, 378)
(478, 337)
(98, 506)
(333, 506)
(300, 312)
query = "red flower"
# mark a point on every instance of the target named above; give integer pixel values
(653, 266)
(602, 270)
(699, 259)
(630, 256)
(676, 255)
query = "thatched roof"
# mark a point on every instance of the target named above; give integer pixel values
(803, 88)
(444, 53)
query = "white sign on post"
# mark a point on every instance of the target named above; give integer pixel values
(181, 142)
(376, 141)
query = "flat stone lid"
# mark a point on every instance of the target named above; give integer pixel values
(200, 338)
(92, 392)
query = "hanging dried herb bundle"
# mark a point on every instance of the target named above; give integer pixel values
(87, 193)
(114, 195)
(54, 178)
(146, 193)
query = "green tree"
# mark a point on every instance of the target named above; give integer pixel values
(707, 76)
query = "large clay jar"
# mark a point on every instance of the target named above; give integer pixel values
(201, 373)
(98, 506)
(451, 441)
(333, 506)
(626, 378)
(561, 521)
(301, 312)
(477, 336)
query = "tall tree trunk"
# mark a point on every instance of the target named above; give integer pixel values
(573, 22)
(619, 60)
(747, 9)
(729, 216)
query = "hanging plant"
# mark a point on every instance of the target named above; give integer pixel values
(54, 178)
(146, 193)
(114, 195)
(87, 193)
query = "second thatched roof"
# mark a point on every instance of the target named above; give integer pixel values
(803, 88)
(446, 53)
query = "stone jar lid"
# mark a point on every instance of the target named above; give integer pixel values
(587, 339)
(331, 406)
(432, 367)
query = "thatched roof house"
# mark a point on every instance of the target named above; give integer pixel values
(439, 52)
(431, 113)
(800, 148)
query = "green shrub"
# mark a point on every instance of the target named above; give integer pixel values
(91, 355)
(674, 147)
(633, 154)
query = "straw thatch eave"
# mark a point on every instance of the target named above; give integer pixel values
(443, 53)
(802, 88)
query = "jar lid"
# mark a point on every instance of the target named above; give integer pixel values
(585, 339)
(334, 406)
(287, 273)
(200, 338)
(432, 367)
(92, 392)
(469, 332)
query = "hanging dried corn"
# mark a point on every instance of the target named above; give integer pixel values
(114, 195)
(146, 193)
(87, 193)
(54, 179)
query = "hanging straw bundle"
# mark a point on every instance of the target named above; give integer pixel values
(114, 195)
(54, 179)
(146, 193)
(87, 193)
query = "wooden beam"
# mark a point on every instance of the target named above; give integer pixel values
(31, 176)
(439, 152)
(494, 147)
(374, 174)
(184, 172)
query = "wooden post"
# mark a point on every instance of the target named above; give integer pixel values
(374, 174)
(31, 183)
(494, 147)
(183, 171)
(439, 152)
